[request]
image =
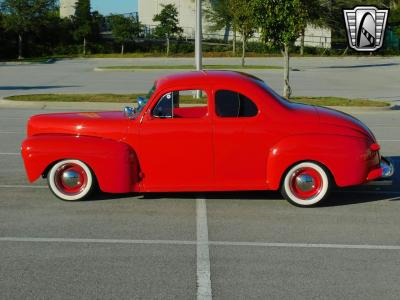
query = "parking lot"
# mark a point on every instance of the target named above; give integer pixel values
(166, 246)
(353, 77)
(242, 245)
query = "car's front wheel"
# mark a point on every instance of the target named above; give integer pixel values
(71, 180)
(306, 184)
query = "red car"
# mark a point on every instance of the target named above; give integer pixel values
(204, 131)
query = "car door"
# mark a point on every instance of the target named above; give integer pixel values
(240, 144)
(176, 143)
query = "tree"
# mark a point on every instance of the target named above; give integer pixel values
(280, 23)
(23, 16)
(220, 15)
(315, 12)
(3, 39)
(124, 29)
(169, 23)
(82, 22)
(243, 20)
(394, 19)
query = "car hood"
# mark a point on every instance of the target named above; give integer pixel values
(103, 124)
(340, 119)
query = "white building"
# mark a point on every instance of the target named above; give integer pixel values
(314, 37)
(186, 13)
(319, 37)
(67, 8)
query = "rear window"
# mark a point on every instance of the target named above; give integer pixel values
(230, 104)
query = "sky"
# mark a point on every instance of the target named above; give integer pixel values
(106, 7)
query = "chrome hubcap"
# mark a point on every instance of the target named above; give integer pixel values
(71, 178)
(305, 182)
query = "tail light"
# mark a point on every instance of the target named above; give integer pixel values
(374, 147)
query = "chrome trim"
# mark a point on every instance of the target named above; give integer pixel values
(70, 178)
(129, 111)
(387, 167)
(305, 182)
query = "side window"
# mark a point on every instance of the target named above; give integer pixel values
(247, 107)
(229, 104)
(182, 104)
(164, 107)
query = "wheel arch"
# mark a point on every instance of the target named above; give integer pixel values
(46, 171)
(342, 156)
(114, 164)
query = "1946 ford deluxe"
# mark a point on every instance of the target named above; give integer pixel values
(204, 131)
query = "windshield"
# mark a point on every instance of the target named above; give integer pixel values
(141, 102)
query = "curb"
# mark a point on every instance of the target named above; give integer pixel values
(14, 63)
(349, 109)
(100, 69)
(140, 70)
(62, 105)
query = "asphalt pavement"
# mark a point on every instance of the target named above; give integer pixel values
(245, 245)
(353, 77)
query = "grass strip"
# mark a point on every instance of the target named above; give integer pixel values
(339, 101)
(126, 98)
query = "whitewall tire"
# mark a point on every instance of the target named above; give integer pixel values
(306, 184)
(70, 180)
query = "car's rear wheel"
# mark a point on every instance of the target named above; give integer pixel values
(306, 184)
(71, 180)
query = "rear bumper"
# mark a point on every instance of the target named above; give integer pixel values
(385, 170)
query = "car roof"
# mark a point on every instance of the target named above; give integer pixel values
(205, 77)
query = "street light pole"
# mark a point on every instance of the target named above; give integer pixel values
(198, 37)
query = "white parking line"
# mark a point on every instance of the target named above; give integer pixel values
(301, 245)
(14, 118)
(389, 141)
(389, 193)
(214, 243)
(203, 252)
(12, 186)
(3, 131)
(10, 153)
(96, 241)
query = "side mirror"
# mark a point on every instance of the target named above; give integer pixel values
(129, 111)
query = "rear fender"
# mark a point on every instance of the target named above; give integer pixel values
(347, 158)
(114, 163)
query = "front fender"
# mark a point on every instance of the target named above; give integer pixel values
(349, 159)
(114, 163)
